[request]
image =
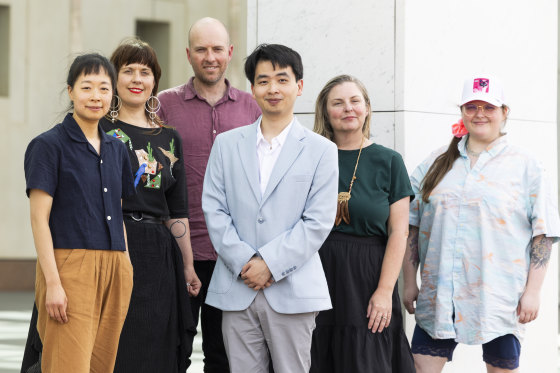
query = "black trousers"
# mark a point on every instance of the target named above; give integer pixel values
(31, 362)
(215, 358)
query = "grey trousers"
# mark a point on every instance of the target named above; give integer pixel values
(254, 336)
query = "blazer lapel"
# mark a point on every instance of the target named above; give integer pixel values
(247, 147)
(290, 151)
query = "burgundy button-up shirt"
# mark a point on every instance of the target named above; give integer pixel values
(198, 123)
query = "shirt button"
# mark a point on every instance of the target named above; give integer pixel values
(108, 217)
(260, 220)
(101, 161)
(214, 131)
(105, 190)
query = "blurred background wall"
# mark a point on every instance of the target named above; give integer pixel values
(38, 41)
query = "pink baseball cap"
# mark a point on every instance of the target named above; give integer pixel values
(484, 88)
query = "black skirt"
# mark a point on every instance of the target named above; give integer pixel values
(341, 339)
(158, 331)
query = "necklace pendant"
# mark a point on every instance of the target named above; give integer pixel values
(343, 197)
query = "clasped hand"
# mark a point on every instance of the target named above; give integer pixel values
(256, 274)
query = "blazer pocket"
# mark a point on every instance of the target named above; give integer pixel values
(309, 281)
(222, 279)
(297, 188)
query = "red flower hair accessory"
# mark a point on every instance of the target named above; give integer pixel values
(458, 129)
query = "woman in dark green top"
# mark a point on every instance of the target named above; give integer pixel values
(362, 256)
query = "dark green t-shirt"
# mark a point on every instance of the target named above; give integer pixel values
(381, 180)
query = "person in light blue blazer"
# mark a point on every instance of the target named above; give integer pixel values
(269, 199)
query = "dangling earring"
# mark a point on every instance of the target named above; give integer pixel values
(152, 107)
(114, 109)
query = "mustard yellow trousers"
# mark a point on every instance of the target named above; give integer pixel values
(98, 284)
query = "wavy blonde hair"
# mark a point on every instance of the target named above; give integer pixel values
(322, 126)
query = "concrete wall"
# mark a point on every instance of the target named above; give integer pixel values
(44, 37)
(412, 57)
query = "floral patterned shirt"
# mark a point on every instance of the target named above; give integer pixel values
(475, 239)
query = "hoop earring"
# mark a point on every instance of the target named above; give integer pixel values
(152, 107)
(114, 109)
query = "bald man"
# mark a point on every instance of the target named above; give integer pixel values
(204, 107)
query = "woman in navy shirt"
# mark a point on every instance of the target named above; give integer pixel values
(76, 176)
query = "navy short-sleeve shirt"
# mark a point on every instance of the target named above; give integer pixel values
(86, 187)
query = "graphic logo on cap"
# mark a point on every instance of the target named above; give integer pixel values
(481, 85)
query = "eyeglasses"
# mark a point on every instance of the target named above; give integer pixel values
(471, 109)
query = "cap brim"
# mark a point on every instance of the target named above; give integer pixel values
(479, 96)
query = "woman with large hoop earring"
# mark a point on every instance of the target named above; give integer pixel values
(158, 331)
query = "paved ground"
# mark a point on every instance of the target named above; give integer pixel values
(15, 313)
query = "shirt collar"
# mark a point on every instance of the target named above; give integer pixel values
(191, 93)
(493, 148)
(75, 132)
(280, 139)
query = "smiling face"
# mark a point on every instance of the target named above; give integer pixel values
(91, 96)
(483, 126)
(346, 108)
(276, 89)
(135, 83)
(209, 51)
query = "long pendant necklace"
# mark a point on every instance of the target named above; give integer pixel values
(342, 213)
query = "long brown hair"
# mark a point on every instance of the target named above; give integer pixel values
(440, 168)
(322, 126)
(444, 163)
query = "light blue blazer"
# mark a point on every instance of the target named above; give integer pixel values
(286, 225)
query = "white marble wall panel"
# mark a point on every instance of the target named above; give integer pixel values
(333, 37)
(306, 120)
(439, 43)
(422, 133)
(382, 129)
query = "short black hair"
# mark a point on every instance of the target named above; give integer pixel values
(278, 55)
(91, 63)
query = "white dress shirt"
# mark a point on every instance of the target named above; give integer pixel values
(268, 153)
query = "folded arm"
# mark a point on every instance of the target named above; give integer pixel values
(290, 250)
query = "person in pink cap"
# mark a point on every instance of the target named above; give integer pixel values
(481, 230)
